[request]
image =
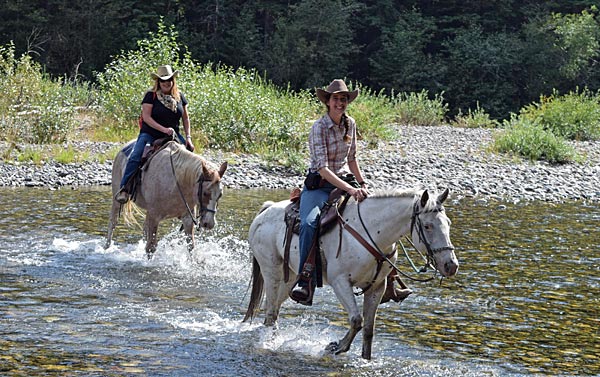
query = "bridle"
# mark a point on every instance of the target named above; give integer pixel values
(203, 209)
(415, 222)
(379, 255)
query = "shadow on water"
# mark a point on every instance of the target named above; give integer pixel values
(525, 299)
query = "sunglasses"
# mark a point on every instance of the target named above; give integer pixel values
(167, 80)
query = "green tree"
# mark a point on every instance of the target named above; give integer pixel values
(402, 63)
(482, 70)
(312, 44)
(578, 39)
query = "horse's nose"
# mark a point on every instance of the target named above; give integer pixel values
(208, 222)
(451, 267)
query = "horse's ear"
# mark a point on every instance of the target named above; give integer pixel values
(424, 198)
(205, 171)
(222, 169)
(443, 196)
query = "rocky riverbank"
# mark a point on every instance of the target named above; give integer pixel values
(435, 157)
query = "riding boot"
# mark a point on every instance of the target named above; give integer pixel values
(303, 290)
(393, 293)
(122, 196)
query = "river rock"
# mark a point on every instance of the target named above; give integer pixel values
(429, 157)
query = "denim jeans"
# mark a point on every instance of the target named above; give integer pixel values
(135, 157)
(311, 203)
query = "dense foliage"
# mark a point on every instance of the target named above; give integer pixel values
(239, 110)
(249, 69)
(230, 109)
(499, 55)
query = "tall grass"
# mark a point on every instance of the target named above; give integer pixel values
(541, 130)
(575, 115)
(36, 108)
(528, 139)
(418, 109)
(477, 118)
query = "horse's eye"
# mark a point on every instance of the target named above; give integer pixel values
(428, 227)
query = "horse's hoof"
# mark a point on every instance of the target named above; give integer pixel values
(149, 255)
(333, 347)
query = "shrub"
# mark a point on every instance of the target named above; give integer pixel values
(418, 109)
(230, 109)
(126, 79)
(474, 119)
(238, 110)
(373, 113)
(35, 108)
(575, 116)
(532, 141)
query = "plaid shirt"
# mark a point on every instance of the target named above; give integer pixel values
(328, 148)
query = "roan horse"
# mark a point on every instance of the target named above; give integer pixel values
(383, 218)
(174, 184)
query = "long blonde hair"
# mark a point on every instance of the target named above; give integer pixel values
(174, 90)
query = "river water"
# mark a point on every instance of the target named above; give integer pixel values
(525, 301)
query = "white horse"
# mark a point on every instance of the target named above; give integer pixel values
(174, 185)
(383, 218)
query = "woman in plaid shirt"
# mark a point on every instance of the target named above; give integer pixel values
(332, 144)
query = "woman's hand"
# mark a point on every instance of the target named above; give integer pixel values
(189, 145)
(359, 194)
(169, 131)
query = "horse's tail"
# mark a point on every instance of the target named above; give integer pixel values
(257, 291)
(129, 211)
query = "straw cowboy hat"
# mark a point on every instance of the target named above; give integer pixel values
(164, 72)
(336, 86)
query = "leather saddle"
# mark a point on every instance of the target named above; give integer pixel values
(135, 181)
(336, 203)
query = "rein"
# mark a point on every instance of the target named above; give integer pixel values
(201, 181)
(374, 249)
(381, 253)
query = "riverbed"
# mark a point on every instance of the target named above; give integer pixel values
(525, 299)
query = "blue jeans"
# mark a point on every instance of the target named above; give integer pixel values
(311, 203)
(135, 157)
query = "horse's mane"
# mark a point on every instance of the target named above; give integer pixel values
(395, 192)
(414, 192)
(188, 166)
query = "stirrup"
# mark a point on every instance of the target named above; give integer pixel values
(302, 295)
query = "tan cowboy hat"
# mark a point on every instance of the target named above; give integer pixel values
(336, 86)
(164, 72)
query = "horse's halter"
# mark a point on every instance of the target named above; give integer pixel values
(415, 222)
(203, 208)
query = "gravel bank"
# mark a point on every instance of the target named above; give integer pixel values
(435, 157)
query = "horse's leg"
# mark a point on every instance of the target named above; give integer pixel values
(370, 304)
(276, 291)
(188, 228)
(112, 221)
(150, 230)
(343, 291)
